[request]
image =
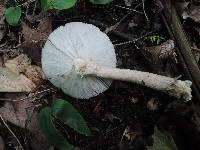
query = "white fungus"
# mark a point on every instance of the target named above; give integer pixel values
(81, 60)
(72, 42)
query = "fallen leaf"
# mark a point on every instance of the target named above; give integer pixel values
(22, 113)
(193, 13)
(35, 74)
(17, 112)
(19, 75)
(18, 64)
(156, 54)
(35, 38)
(12, 82)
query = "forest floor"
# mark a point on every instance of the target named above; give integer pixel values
(125, 116)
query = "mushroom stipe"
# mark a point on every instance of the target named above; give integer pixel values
(81, 60)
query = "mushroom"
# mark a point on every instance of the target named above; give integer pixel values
(81, 60)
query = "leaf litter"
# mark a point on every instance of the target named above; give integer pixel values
(120, 104)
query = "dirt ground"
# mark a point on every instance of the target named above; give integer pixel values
(124, 105)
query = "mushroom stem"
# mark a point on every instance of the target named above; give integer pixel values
(172, 86)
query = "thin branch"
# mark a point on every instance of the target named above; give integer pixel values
(145, 14)
(31, 95)
(133, 41)
(128, 9)
(6, 125)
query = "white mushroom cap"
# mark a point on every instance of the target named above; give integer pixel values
(70, 42)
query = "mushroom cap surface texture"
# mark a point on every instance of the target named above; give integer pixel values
(77, 40)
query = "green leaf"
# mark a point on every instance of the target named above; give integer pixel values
(64, 111)
(51, 133)
(162, 141)
(13, 15)
(100, 1)
(57, 4)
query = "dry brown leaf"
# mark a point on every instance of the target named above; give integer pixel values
(155, 54)
(35, 38)
(193, 13)
(35, 74)
(17, 112)
(13, 82)
(18, 64)
(22, 114)
(20, 76)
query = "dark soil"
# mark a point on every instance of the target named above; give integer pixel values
(125, 105)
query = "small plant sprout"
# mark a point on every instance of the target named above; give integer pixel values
(81, 60)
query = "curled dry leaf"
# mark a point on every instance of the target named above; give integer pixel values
(19, 75)
(35, 38)
(155, 54)
(193, 13)
(12, 82)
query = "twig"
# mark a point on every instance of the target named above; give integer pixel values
(128, 9)
(184, 51)
(133, 41)
(35, 7)
(145, 11)
(114, 32)
(29, 96)
(11, 132)
(109, 29)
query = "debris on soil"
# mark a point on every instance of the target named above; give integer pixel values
(17, 112)
(2, 23)
(152, 104)
(193, 13)
(125, 116)
(156, 54)
(2, 144)
(19, 75)
(35, 38)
